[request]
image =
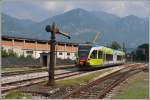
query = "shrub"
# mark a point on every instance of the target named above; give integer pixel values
(29, 57)
(4, 53)
(12, 53)
(22, 56)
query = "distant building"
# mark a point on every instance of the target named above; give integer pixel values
(33, 47)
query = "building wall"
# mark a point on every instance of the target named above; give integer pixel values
(34, 48)
(66, 55)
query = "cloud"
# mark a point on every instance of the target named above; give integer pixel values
(120, 8)
(42, 9)
(124, 8)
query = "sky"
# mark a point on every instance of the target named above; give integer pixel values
(38, 10)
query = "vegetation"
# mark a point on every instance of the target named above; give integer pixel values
(22, 56)
(4, 53)
(115, 45)
(136, 89)
(81, 79)
(142, 52)
(15, 94)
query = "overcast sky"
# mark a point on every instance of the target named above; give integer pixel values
(38, 10)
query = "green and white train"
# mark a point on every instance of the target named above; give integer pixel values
(97, 56)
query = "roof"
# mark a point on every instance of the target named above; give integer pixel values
(33, 39)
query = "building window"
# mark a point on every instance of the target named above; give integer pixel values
(60, 53)
(68, 54)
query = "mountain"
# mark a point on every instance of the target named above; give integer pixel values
(132, 27)
(14, 26)
(78, 22)
(82, 26)
(107, 17)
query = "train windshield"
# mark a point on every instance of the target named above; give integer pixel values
(84, 50)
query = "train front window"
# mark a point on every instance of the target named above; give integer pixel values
(94, 54)
(83, 53)
(84, 50)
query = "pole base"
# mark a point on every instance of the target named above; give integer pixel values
(52, 84)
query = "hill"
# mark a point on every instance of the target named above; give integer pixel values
(82, 26)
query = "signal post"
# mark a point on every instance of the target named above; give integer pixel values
(54, 30)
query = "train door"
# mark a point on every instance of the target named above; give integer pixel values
(104, 58)
(100, 57)
(115, 57)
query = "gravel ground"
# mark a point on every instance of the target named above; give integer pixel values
(47, 92)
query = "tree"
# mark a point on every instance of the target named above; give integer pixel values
(115, 45)
(142, 52)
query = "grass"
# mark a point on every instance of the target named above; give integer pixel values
(81, 79)
(136, 89)
(15, 94)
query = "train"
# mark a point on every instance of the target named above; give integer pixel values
(95, 56)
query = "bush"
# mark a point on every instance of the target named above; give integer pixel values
(11, 53)
(4, 53)
(29, 57)
(22, 56)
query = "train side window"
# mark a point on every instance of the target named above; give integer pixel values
(94, 54)
(123, 57)
(119, 57)
(100, 54)
(109, 57)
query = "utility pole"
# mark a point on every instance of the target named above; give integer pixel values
(123, 47)
(54, 30)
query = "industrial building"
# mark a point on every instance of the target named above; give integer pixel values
(34, 47)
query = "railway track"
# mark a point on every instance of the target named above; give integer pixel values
(22, 80)
(22, 83)
(11, 73)
(14, 84)
(6, 74)
(98, 88)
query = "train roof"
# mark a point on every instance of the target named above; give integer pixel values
(104, 49)
(119, 52)
(109, 50)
